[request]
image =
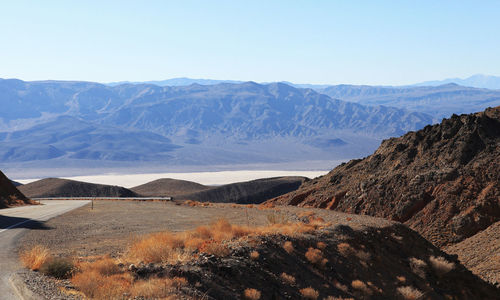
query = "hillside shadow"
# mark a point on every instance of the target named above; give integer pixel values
(7, 222)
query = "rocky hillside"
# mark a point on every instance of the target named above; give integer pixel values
(443, 181)
(55, 187)
(254, 191)
(168, 187)
(9, 194)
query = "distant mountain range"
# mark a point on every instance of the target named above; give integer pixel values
(478, 81)
(58, 122)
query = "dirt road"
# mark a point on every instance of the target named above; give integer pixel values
(14, 222)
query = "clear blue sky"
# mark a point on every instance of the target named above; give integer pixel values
(360, 42)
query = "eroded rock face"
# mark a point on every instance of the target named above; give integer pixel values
(9, 194)
(443, 180)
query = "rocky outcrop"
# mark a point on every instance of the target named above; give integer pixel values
(443, 181)
(9, 194)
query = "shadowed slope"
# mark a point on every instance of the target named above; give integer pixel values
(9, 194)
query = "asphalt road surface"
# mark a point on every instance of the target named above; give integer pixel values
(15, 221)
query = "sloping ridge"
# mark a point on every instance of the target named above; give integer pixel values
(443, 181)
(166, 187)
(254, 191)
(9, 194)
(56, 187)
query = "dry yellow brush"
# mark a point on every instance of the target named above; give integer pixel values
(103, 279)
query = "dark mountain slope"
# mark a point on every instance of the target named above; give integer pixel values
(167, 187)
(55, 187)
(9, 194)
(443, 181)
(255, 191)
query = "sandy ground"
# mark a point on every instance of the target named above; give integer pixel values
(112, 225)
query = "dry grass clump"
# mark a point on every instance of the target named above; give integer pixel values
(340, 286)
(254, 255)
(266, 205)
(105, 266)
(252, 294)
(321, 245)
(409, 293)
(361, 286)
(287, 278)
(157, 288)
(315, 256)
(171, 247)
(288, 246)
(418, 266)
(196, 203)
(441, 265)
(60, 268)
(95, 285)
(401, 279)
(35, 257)
(309, 293)
(345, 249)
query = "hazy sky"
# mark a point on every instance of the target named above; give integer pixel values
(360, 42)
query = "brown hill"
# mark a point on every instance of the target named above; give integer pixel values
(443, 180)
(167, 187)
(55, 187)
(481, 253)
(254, 191)
(9, 194)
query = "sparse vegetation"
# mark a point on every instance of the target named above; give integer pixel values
(410, 293)
(252, 294)
(57, 267)
(345, 249)
(361, 286)
(441, 265)
(254, 255)
(288, 246)
(287, 278)
(315, 256)
(418, 266)
(35, 257)
(309, 293)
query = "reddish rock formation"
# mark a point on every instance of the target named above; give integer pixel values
(443, 180)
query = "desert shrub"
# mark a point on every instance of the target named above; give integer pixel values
(401, 278)
(361, 286)
(35, 257)
(105, 266)
(418, 266)
(254, 255)
(287, 278)
(441, 265)
(340, 286)
(321, 245)
(216, 248)
(57, 267)
(315, 256)
(345, 249)
(288, 246)
(409, 293)
(252, 294)
(309, 293)
(363, 255)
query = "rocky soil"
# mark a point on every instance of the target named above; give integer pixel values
(481, 253)
(443, 181)
(55, 187)
(9, 194)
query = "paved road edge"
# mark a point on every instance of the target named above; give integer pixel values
(21, 288)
